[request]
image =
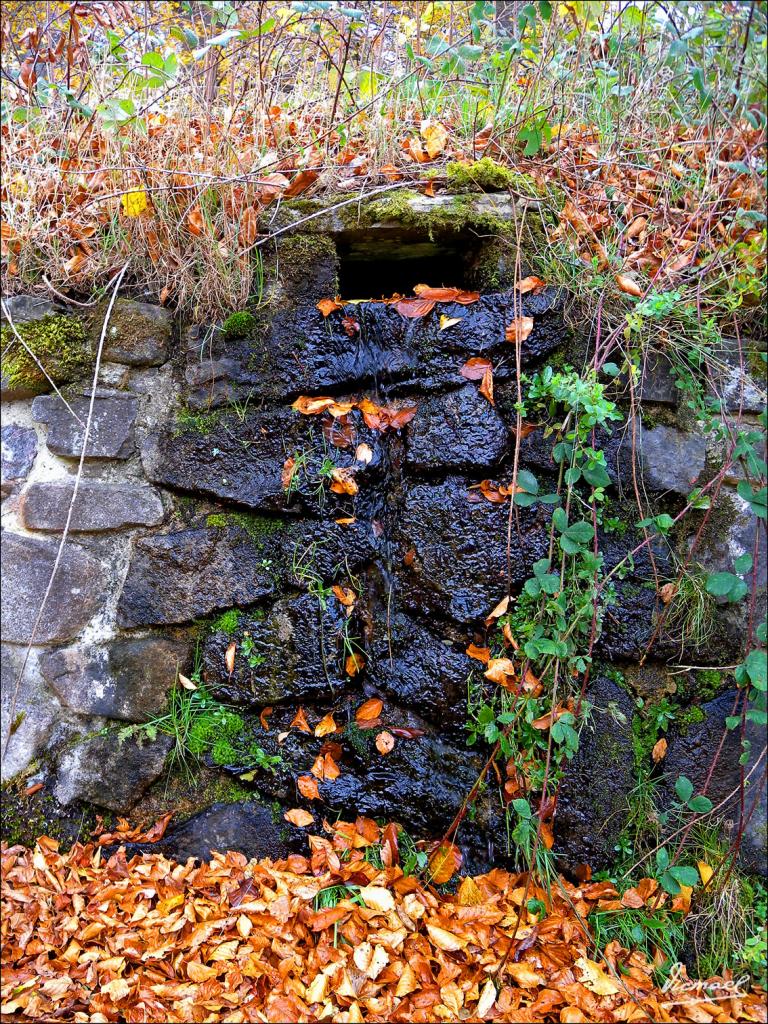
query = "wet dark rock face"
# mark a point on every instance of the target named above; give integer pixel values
(247, 827)
(211, 531)
(301, 352)
(691, 751)
(592, 804)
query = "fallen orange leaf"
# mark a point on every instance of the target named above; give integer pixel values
(299, 817)
(308, 787)
(385, 742)
(299, 721)
(326, 725)
(369, 710)
(519, 329)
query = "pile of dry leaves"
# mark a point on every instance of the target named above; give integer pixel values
(325, 937)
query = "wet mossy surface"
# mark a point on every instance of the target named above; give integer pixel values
(60, 344)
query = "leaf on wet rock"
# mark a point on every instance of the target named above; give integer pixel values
(308, 787)
(299, 721)
(519, 329)
(385, 742)
(299, 817)
(369, 710)
(326, 725)
(355, 662)
(530, 284)
(476, 368)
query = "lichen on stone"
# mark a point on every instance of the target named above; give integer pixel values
(60, 344)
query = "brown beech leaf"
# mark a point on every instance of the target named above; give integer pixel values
(659, 750)
(299, 817)
(229, 657)
(354, 663)
(479, 653)
(414, 309)
(346, 596)
(249, 226)
(444, 861)
(499, 669)
(498, 611)
(519, 329)
(423, 291)
(626, 284)
(467, 298)
(299, 721)
(300, 183)
(476, 368)
(326, 725)
(343, 480)
(331, 770)
(286, 477)
(486, 387)
(328, 306)
(264, 718)
(351, 326)
(530, 284)
(308, 787)
(385, 742)
(369, 710)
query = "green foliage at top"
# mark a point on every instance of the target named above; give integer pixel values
(60, 344)
(239, 325)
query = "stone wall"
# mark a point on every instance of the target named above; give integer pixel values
(183, 542)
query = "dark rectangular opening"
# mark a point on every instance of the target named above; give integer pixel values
(373, 273)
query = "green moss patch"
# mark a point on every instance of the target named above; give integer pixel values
(483, 176)
(60, 344)
(239, 325)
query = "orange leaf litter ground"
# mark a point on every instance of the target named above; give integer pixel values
(97, 939)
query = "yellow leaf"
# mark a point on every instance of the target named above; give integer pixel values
(445, 940)
(226, 951)
(705, 871)
(134, 203)
(659, 750)
(487, 999)
(449, 321)
(407, 983)
(164, 906)
(524, 975)
(318, 989)
(187, 683)
(469, 894)
(436, 137)
(299, 817)
(200, 972)
(595, 979)
(376, 897)
(117, 989)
